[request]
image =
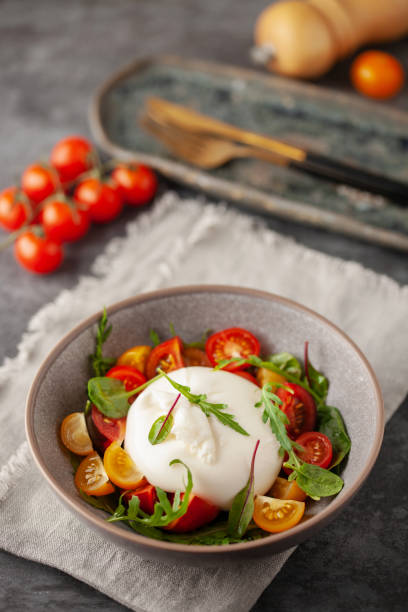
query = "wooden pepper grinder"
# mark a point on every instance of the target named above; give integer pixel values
(304, 38)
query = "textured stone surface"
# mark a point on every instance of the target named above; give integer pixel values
(54, 54)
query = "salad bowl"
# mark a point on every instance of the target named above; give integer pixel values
(280, 325)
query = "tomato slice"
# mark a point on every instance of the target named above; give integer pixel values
(91, 477)
(199, 513)
(283, 489)
(121, 469)
(300, 409)
(267, 376)
(131, 378)
(248, 376)
(195, 357)
(232, 342)
(136, 357)
(147, 496)
(276, 515)
(74, 434)
(318, 449)
(166, 356)
(105, 430)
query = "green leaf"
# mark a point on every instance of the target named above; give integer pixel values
(287, 363)
(242, 507)
(277, 418)
(317, 482)
(100, 364)
(154, 337)
(331, 424)
(316, 380)
(102, 502)
(172, 330)
(160, 429)
(200, 344)
(109, 395)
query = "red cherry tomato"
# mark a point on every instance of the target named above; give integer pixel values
(195, 357)
(131, 377)
(199, 513)
(63, 221)
(137, 183)
(71, 157)
(102, 199)
(318, 450)
(299, 407)
(104, 430)
(38, 254)
(15, 209)
(248, 376)
(147, 496)
(232, 342)
(38, 182)
(166, 356)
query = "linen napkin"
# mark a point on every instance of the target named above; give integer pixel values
(180, 242)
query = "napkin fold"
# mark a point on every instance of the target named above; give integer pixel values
(181, 242)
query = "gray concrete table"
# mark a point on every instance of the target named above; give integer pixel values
(53, 56)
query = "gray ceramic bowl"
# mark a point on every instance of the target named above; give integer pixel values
(280, 324)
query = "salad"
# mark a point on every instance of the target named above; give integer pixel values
(207, 442)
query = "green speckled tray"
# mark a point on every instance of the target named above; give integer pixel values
(337, 124)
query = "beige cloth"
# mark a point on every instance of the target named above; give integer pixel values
(181, 242)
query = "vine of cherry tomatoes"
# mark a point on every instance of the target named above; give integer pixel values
(57, 201)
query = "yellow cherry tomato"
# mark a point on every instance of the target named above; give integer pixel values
(74, 434)
(91, 477)
(267, 376)
(283, 489)
(377, 74)
(121, 469)
(136, 357)
(275, 515)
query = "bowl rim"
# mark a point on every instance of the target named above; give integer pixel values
(291, 536)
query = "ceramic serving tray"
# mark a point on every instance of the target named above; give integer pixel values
(340, 125)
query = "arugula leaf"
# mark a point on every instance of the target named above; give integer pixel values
(207, 407)
(277, 419)
(162, 426)
(172, 330)
(154, 337)
(100, 364)
(242, 507)
(331, 424)
(287, 363)
(200, 344)
(316, 380)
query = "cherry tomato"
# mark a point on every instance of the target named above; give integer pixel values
(105, 430)
(147, 497)
(276, 515)
(267, 376)
(74, 434)
(283, 489)
(377, 74)
(121, 469)
(71, 157)
(199, 513)
(318, 449)
(299, 407)
(91, 477)
(137, 183)
(131, 378)
(136, 357)
(37, 253)
(15, 209)
(233, 342)
(102, 199)
(248, 376)
(38, 182)
(195, 357)
(166, 356)
(63, 221)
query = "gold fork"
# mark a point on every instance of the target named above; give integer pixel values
(203, 150)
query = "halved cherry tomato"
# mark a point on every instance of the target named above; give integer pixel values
(377, 74)
(74, 434)
(131, 378)
(166, 356)
(121, 469)
(199, 513)
(71, 157)
(38, 182)
(104, 430)
(267, 376)
(283, 489)
(195, 357)
(64, 221)
(232, 342)
(136, 357)
(276, 515)
(37, 253)
(248, 376)
(137, 183)
(102, 199)
(318, 448)
(300, 409)
(15, 209)
(91, 477)
(147, 496)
